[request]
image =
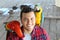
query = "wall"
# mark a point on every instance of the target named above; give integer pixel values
(57, 3)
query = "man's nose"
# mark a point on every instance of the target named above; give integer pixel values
(29, 22)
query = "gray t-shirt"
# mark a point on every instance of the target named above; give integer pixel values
(27, 37)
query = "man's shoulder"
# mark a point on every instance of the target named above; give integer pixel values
(42, 32)
(41, 29)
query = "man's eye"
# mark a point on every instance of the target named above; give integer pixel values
(31, 18)
(25, 19)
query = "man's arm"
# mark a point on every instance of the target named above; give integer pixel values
(46, 34)
(11, 36)
(8, 36)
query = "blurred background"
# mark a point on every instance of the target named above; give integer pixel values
(51, 10)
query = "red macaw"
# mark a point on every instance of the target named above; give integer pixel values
(15, 27)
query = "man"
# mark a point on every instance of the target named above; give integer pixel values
(29, 29)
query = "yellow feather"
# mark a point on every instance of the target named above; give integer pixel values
(38, 17)
(7, 27)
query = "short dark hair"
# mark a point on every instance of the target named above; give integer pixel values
(25, 9)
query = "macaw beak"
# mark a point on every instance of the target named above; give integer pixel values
(15, 26)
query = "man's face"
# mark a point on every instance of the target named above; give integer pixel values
(28, 20)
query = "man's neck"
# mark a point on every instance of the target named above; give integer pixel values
(27, 31)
